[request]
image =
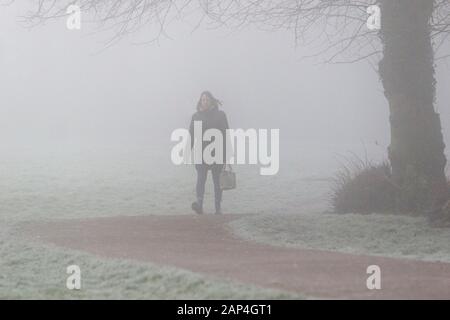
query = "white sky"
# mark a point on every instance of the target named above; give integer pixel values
(57, 88)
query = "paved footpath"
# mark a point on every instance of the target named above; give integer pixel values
(204, 244)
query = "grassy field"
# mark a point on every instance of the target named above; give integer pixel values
(100, 183)
(286, 209)
(374, 234)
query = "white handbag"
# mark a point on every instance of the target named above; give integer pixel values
(227, 178)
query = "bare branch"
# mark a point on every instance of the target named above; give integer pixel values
(338, 27)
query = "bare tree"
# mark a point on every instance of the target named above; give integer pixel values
(412, 32)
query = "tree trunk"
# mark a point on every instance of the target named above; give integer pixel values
(407, 72)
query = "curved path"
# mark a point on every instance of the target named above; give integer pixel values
(204, 245)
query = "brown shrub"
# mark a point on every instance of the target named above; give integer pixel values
(362, 187)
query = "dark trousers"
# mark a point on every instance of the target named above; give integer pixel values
(202, 174)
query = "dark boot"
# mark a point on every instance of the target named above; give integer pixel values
(197, 207)
(218, 209)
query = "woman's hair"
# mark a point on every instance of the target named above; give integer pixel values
(215, 102)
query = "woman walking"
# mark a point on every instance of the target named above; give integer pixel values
(211, 117)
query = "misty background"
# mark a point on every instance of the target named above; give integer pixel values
(63, 93)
